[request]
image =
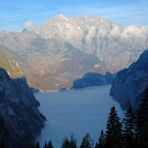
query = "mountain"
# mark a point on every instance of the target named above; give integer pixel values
(20, 119)
(93, 79)
(130, 83)
(63, 49)
(49, 64)
(110, 42)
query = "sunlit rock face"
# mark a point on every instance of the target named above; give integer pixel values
(63, 49)
(130, 83)
(10, 64)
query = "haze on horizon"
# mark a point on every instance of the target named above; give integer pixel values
(16, 15)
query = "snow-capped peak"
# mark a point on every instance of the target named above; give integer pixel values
(61, 16)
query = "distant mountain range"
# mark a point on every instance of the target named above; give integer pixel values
(63, 49)
(130, 83)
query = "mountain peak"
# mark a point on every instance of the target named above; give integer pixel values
(61, 16)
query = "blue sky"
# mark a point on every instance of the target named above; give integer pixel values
(14, 14)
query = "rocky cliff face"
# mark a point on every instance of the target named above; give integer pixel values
(19, 115)
(131, 82)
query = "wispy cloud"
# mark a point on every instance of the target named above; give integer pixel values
(14, 14)
(133, 13)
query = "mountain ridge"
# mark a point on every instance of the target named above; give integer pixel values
(63, 49)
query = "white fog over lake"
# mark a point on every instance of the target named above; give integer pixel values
(75, 112)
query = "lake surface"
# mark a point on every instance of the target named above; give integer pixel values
(75, 112)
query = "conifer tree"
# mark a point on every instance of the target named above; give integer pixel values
(37, 145)
(65, 143)
(97, 145)
(49, 145)
(72, 142)
(101, 141)
(129, 128)
(142, 120)
(113, 133)
(69, 143)
(45, 145)
(86, 142)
